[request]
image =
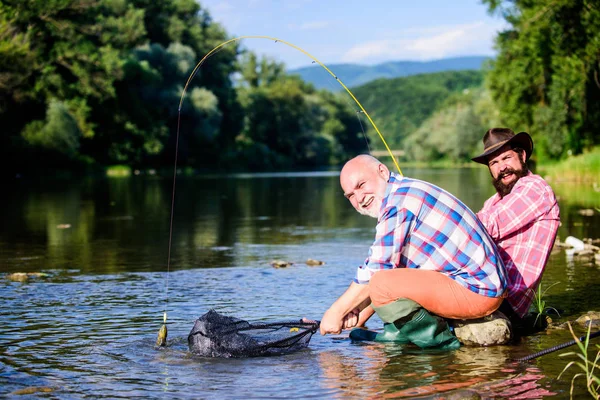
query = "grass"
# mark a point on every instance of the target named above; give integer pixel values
(539, 303)
(589, 368)
(581, 168)
(118, 171)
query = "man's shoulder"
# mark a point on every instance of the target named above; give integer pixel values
(535, 181)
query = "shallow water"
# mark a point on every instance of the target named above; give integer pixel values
(88, 328)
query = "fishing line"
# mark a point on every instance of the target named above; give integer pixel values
(352, 106)
(163, 332)
(221, 45)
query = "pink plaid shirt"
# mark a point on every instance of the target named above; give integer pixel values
(523, 224)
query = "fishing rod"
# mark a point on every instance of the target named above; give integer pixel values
(162, 334)
(557, 347)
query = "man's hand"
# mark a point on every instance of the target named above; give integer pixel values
(344, 312)
(351, 319)
(331, 323)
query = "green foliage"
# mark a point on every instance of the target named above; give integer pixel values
(453, 132)
(59, 132)
(539, 304)
(589, 367)
(545, 78)
(399, 106)
(118, 171)
(581, 168)
(294, 124)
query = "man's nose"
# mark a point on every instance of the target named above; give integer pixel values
(360, 196)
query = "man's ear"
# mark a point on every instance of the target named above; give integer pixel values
(383, 171)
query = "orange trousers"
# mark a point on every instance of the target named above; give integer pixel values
(433, 290)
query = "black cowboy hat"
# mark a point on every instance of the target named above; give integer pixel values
(495, 138)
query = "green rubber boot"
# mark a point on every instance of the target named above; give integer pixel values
(390, 334)
(429, 331)
(405, 321)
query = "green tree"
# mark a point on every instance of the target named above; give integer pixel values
(288, 123)
(546, 76)
(454, 131)
(399, 106)
(58, 53)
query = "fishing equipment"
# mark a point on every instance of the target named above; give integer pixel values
(557, 347)
(217, 335)
(268, 347)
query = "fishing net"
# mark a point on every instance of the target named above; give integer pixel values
(217, 335)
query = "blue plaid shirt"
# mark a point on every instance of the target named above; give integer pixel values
(423, 226)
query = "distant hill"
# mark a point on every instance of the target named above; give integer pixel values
(356, 74)
(400, 105)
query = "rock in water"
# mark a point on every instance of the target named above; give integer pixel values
(280, 263)
(491, 330)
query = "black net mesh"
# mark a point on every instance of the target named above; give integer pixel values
(216, 335)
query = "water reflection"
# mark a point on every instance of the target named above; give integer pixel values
(89, 326)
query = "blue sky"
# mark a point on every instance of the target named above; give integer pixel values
(362, 32)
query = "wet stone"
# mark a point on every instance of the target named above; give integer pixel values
(487, 331)
(280, 263)
(590, 318)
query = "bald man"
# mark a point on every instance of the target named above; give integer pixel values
(431, 258)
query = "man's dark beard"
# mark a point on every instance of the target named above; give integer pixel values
(503, 189)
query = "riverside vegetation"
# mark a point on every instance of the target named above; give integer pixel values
(98, 83)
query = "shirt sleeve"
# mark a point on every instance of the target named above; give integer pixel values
(391, 233)
(525, 204)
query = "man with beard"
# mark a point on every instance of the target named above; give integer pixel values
(431, 258)
(522, 217)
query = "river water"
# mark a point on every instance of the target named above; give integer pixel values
(88, 326)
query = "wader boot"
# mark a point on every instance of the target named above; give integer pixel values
(405, 321)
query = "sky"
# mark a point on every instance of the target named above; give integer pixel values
(364, 32)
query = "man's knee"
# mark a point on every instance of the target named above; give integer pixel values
(387, 286)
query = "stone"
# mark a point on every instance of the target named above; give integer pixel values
(280, 263)
(591, 318)
(24, 276)
(494, 329)
(313, 262)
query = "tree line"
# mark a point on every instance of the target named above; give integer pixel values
(544, 80)
(98, 82)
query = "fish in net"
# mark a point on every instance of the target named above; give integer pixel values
(217, 335)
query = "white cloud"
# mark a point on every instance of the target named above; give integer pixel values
(428, 43)
(310, 26)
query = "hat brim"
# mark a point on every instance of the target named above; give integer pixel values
(521, 139)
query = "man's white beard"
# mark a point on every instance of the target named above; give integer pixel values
(369, 212)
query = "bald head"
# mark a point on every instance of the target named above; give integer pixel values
(362, 162)
(364, 179)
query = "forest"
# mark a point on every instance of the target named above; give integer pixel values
(89, 84)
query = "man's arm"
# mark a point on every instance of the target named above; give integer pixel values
(353, 297)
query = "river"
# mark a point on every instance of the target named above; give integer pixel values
(87, 326)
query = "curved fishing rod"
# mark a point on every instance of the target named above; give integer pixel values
(162, 334)
(557, 347)
(276, 40)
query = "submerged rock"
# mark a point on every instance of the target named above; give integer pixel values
(32, 390)
(280, 263)
(487, 331)
(312, 262)
(24, 276)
